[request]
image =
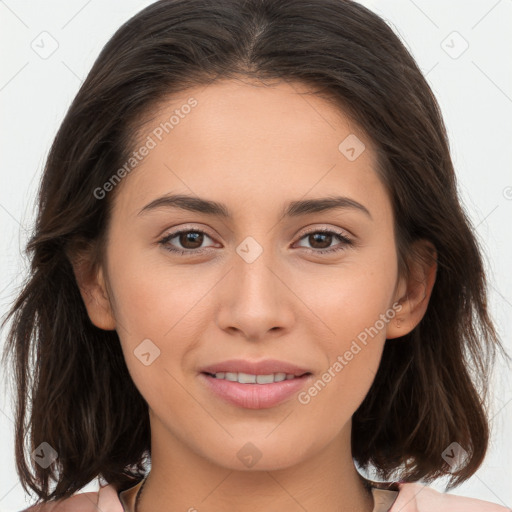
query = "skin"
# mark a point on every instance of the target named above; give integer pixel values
(253, 148)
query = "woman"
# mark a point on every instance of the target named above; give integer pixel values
(251, 268)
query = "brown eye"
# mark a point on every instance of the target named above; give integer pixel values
(191, 239)
(186, 241)
(321, 240)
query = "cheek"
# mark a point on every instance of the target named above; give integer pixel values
(161, 303)
(353, 354)
(152, 296)
(353, 299)
(357, 307)
(154, 311)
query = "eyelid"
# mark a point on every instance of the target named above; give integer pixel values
(345, 241)
(175, 230)
(305, 231)
(335, 229)
(345, 237)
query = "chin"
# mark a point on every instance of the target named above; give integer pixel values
(260, 453)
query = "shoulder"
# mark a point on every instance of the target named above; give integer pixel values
(106, 500)
(416, 497)
(82, 502)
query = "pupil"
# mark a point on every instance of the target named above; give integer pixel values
(323, 235)
(193, 237)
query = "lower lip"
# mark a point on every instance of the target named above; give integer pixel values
(254, 396)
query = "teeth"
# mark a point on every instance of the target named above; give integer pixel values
(248, 378)
(265, 379)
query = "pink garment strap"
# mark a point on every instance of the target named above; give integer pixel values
(108, 500)
(416, 497)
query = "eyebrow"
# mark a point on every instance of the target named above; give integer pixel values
(292, 209)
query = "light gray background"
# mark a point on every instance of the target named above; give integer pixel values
(474, 88)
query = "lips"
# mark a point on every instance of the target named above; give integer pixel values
(264, 367)
(251, 395)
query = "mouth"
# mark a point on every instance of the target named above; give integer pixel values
(251, 378)
(254, 391)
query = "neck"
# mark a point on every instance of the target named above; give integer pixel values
(182, 480)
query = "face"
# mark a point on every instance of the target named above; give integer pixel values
(308, 287)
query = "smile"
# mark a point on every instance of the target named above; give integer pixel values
(249, 378)
(252, 391)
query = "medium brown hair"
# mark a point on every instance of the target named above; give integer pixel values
(71, 379)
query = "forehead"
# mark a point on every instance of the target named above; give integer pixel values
(252, 142)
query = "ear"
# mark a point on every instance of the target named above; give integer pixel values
(91, 283)
(413, 293)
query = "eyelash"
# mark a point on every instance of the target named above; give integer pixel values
(190, 252)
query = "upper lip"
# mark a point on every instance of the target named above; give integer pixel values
(265, 367)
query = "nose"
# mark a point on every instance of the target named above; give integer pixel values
(254, 299)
